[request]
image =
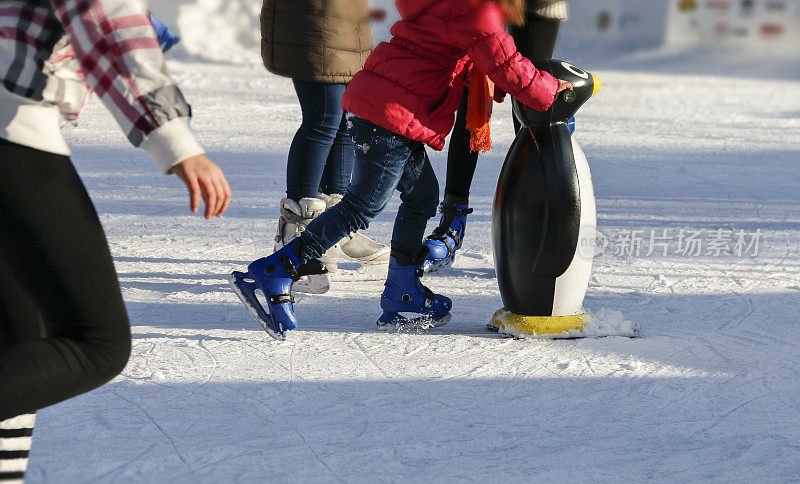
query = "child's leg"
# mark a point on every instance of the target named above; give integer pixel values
(461, 165)
(372, 257)
(419, 190)
(381, 158)
(403, 292)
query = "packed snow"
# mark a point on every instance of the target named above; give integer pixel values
(704, 143)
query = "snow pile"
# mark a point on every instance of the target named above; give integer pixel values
(216, 30)
(605, 322)
(229, 30)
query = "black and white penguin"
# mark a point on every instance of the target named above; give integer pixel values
(544, 216)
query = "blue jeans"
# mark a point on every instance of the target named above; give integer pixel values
(321, 155)
(385, 161)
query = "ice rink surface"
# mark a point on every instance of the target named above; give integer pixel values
(710, 392)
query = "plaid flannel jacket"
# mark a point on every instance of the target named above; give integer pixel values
(120, 59)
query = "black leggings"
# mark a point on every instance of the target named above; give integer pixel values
(63, 326)
(535, 40)
(461, 161)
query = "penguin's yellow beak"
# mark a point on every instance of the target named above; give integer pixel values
(597, 84)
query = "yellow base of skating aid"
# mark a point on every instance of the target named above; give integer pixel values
(505, 321)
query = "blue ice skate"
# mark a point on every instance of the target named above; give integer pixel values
(274, 275)
(446, 239)
(404, 293)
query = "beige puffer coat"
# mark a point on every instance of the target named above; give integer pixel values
(315, 40)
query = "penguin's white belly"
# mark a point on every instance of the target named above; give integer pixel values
(571, 286)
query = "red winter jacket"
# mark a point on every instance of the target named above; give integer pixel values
(413, 84)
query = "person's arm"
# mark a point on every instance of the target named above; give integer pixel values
(493, 52)
(119, 54)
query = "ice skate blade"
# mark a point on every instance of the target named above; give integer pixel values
(245, 291)
(396, 322)
(513, 324)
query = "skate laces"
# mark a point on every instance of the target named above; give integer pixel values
(457, 212)
(289, 267)
(311, 268)
(441, 234)
(429, 295)
(291, 214)
(444, 228)
(294, 218)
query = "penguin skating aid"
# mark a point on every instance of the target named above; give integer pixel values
(544, 216)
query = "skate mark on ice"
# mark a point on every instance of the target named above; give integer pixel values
(405, 388)
(730, 323)
(162, 260)
(729, 413)
(475, 255)
(317, 456)
(322, 388)
(157, 426)
(417, 350)
(409, 389)
(376, 365)
(115, 473)
(292, 376)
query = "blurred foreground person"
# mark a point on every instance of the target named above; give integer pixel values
(63, 326)
(535, 39)
(320, 45)
(404, 99)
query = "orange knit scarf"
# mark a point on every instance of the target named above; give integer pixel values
(479, 111)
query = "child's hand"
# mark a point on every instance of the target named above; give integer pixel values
(203, 177)
(563, 86)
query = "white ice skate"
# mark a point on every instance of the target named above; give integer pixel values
(371, 259)
(295, 217)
